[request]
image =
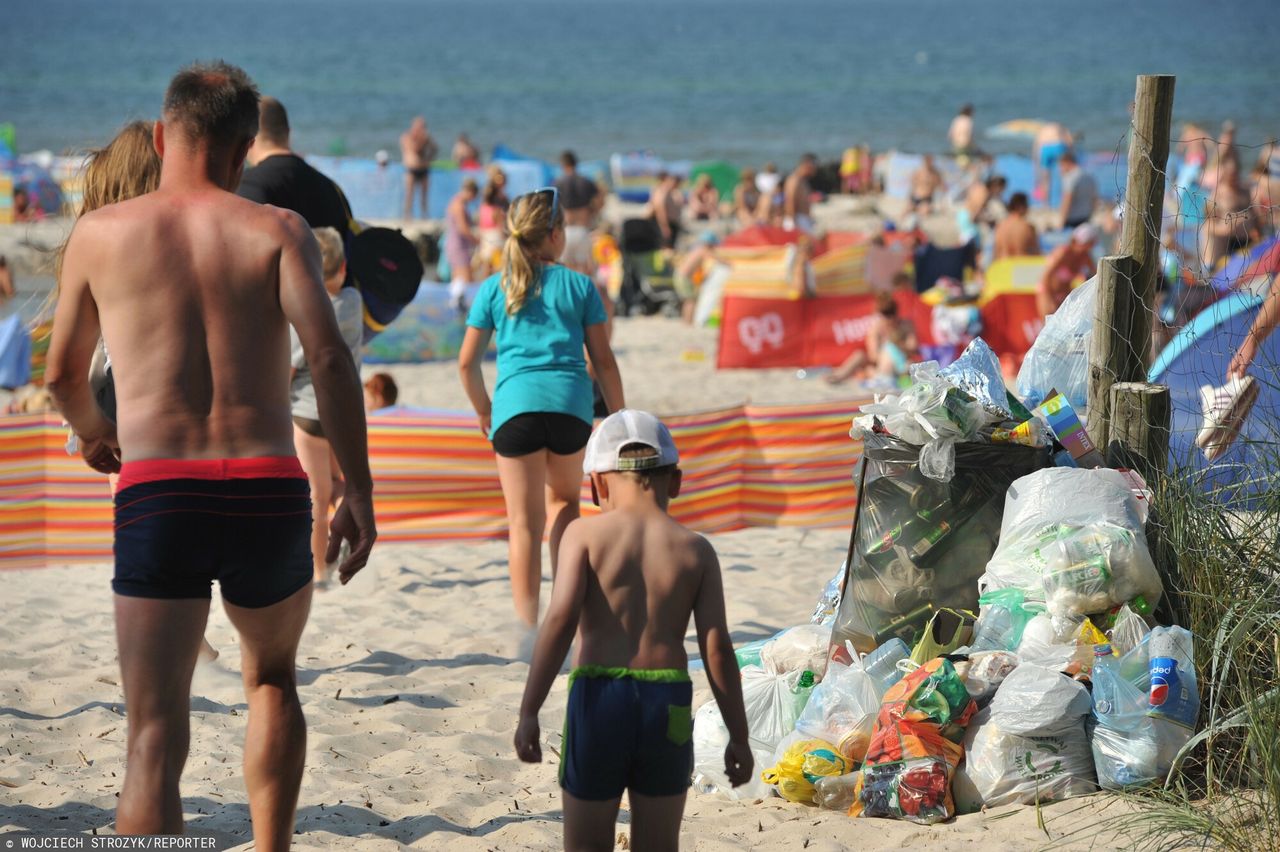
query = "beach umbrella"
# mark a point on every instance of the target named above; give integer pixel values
(1018, 128)
(1243, 268)
(724, 176)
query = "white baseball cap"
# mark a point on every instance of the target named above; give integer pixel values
(621, 429)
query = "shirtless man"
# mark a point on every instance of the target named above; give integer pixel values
(960, 133)
(417, 149)
(1015, 236)
(628, 582)
(795, 195)
(1070, 262)
(193, 290)
(925, 182)
(665, 207)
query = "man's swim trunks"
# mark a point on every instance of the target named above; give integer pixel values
(627, 729)
(183, 523)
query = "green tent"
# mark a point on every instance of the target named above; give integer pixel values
(723, 175)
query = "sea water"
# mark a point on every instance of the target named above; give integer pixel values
(742, 80)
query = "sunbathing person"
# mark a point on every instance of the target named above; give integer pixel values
(888, 349)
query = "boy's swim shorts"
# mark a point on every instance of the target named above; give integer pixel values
(627, 729)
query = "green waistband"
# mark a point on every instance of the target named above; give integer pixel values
(619, 672)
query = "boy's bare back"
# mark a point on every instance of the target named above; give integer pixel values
(645, 575)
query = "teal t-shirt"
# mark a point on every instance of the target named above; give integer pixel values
(541, 366)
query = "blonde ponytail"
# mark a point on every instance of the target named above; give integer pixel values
(530, 221)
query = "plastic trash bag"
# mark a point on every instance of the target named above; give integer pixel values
(1129, 630)
(1003, 615)
(1147, 703)
(773, 703)
(1074, 539)
(829, 604)
(932, 414)
(977, 372)
(710, 737)
(802, 764)
(1030, 744)
(1059, 358)
(920, 544)
(915, 747)
(842, 711)
(797, 649)
(984, 671)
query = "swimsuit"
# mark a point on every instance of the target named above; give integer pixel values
(627, 729)
(420, 172)
(180, 524)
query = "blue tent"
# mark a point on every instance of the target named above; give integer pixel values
(1199, 356)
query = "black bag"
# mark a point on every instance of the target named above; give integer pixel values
(387, 271)
(917, 544)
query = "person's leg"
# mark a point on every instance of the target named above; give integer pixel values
(855, 362)
(158, 640)
(409, 185)
(313, 455)
(275, 743)
(564, 494)
(655, 821)
(423, 194)
(589, 826)
(523, 479)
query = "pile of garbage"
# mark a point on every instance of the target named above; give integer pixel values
(990, 638)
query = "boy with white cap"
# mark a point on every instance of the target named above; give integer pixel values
(628, 580)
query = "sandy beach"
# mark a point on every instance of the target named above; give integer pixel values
(409, 681)
(410, 678)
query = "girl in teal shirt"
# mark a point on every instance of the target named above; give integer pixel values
(541, 316)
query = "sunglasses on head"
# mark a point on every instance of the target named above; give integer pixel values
(555, 199)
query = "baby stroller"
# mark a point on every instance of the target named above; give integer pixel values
(648, 273)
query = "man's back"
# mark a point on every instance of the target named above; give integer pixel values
(1015, 237)
(645, 574)
(186, 287)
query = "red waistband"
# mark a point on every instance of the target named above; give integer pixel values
(262, 467)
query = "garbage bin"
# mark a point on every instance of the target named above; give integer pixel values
(919, 544)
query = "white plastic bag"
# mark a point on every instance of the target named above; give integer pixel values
(773, 703)
(1059, 358)
(710, 737)
(932, 414)
(798, 649)
(1030, 744)
(1074, 539)
(842, 710)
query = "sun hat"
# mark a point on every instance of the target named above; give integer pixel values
(1085, 233)
(621, 429)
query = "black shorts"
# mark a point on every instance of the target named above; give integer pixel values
(562, 434)
(181, 524)
(311, 427)
(420, 173)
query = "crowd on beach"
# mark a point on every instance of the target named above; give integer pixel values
(184, 397)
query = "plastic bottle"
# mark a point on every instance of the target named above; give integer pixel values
(1173, 695)
(882, 664)
(835, 792)
(1105, 672)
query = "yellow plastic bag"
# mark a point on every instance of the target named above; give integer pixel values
(803, 763)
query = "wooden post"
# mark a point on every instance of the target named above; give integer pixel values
(1139, 428)
(1113, 357)
(1126, 302)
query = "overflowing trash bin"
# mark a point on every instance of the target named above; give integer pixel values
(989, 636)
